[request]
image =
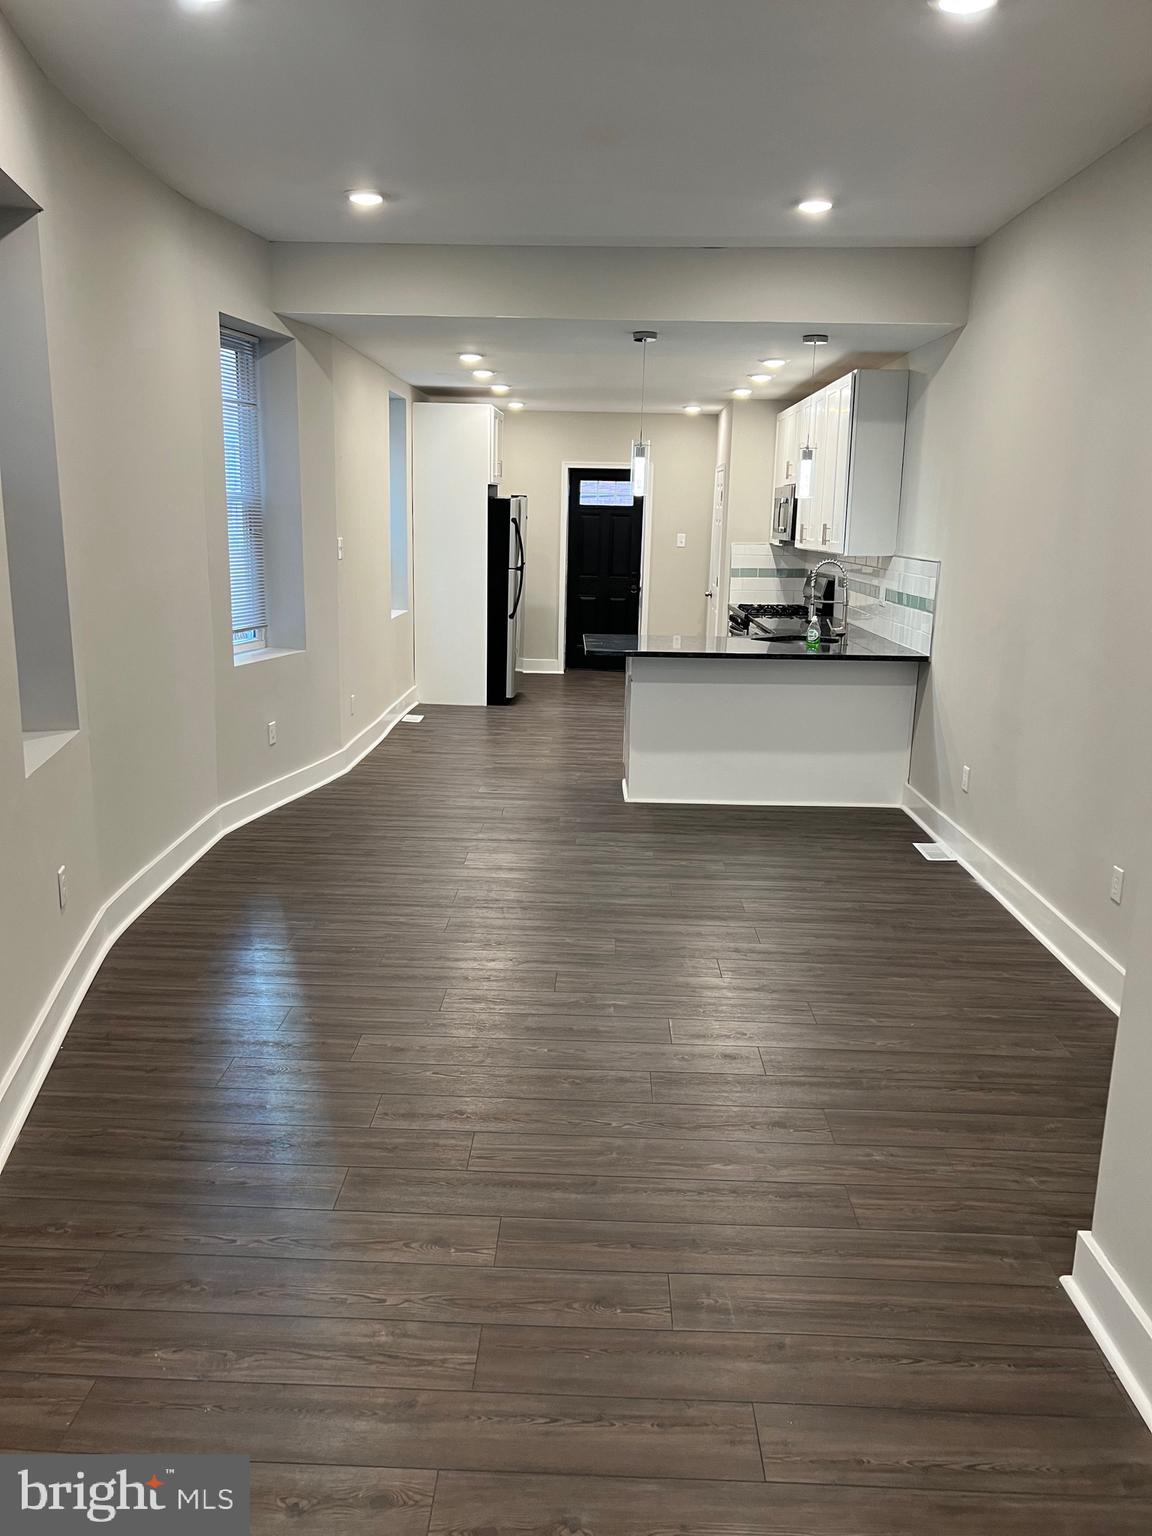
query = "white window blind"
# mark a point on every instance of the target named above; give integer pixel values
(243, 472)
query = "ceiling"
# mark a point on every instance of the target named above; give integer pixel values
(588, 365)
(605, 122)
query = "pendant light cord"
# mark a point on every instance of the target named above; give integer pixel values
(811, 382)
(643, 382)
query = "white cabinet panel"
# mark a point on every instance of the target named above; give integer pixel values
(496, 454)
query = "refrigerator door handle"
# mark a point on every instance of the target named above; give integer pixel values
(518, 568)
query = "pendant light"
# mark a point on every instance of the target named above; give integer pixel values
(641, 447)
(808, 453)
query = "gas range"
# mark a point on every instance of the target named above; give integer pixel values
(782, 621)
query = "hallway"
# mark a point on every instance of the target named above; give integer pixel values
(485, 1155)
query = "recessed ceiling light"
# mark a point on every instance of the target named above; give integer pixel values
(515, 405)
(500, 389)
(483, 374)
(773, 362)
(741, 394)
(365, 197)
(815, 206)
(760, 378)
(964, 7)
(201, 5)
(470, 359)
(691, 410)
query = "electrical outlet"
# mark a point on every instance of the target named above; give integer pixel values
(271, 733)
(62, 885)
(965, 777)
(1116, 889)
(340, 546)
(681, 540)
(351, 703)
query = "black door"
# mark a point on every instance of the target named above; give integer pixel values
(605, 532)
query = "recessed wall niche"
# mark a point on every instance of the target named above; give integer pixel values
(30, 490)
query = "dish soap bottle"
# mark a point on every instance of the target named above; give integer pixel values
(812, 636)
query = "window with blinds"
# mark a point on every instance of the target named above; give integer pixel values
(244, 479)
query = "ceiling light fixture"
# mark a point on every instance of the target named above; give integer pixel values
(814, 207)
(964, 7)
(201, 5)
(641, 456)
(500, 389)
(515, 405)
(365, 197)
(773, 362)
(483, 374)
(470, 359)
(741, 394)
(760, 378)
(692, 410)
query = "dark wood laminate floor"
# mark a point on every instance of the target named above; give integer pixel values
(488, 1157)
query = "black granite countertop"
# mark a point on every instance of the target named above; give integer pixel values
(857, 645)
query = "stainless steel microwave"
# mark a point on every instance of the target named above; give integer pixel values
(784, 509)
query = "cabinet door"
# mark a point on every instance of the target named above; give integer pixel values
(784, 435)
(823, 469)
(496, 469)
(838, 503)
(805, 477)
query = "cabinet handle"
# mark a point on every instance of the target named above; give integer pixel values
(824, 534)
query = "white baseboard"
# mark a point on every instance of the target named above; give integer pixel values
(1090, 964)
(22, 1081)
(539, 664)
(777, 805)
(1115, 1318)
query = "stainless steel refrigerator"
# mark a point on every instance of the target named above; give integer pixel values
(507, 561)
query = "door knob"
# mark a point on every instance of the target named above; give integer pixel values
(709, 593)
(633, 589)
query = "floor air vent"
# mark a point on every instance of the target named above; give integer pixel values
(935, 853)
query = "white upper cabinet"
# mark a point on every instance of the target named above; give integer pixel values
(849, 498)
(787, 447)
(496, 451)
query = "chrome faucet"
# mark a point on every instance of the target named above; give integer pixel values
(837, 634)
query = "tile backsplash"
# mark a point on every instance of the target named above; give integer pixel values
(759, 573)
(892, 595)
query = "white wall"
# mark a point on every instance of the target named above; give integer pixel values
(905, 286)
(135, 278)
(1028, 474)
(751, 467)
(536, 446)
(1112, 1277)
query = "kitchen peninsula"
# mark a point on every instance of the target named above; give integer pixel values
(725, 720)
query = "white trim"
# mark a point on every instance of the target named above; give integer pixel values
(1098, 970)
(539, 664)
(22, 1081)
(1115, 1318)
(645, 551)
(264, 653)
(839, 805)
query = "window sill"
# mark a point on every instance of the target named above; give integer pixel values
(269, 653)
(39, 746)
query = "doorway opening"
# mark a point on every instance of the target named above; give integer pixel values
(605, 556)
